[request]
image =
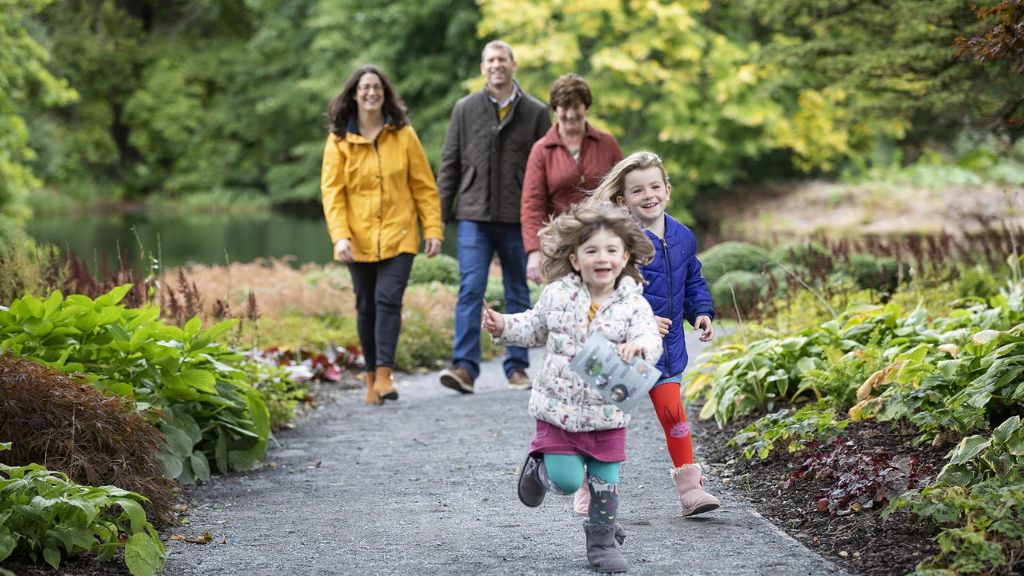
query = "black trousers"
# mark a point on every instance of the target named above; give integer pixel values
(380, 287)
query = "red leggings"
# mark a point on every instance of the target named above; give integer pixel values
(669, 407)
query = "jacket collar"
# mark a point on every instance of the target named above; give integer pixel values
(352, 129)
(552, 140)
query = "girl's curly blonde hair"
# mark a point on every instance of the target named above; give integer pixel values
(564, 234)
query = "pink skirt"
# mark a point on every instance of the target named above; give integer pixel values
(603, 445)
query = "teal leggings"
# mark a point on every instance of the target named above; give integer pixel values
(567, 470)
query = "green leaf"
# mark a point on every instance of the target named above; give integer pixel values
(143, 554)
(136, 515)
(172, 464)
(7, 543)
(202, 380)
(193, 326)
(179, 442)
(114, 296)
(1002, 432)
(805, 364)
(52, 557)
(200, 466)
(221, 327)
(968, 448)
(221, 451)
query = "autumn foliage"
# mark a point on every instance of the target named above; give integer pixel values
(67, 426)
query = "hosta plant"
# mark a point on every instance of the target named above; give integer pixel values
(43, 514)
(204, 402)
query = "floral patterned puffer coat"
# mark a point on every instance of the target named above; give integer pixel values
(559, 321)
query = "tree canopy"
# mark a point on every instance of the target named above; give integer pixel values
(228, 95)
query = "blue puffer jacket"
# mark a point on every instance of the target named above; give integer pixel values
(676, 290)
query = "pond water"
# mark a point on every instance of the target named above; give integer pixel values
(180, 239)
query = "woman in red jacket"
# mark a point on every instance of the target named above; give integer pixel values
(569, 160)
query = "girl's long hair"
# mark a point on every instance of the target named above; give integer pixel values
(343, 106)
(564, 234)
(613, 185)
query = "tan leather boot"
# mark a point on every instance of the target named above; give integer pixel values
(384, 386)
(371, 394)
(690, 487)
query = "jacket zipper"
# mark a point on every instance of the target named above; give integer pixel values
(380, 205)
(668, 284)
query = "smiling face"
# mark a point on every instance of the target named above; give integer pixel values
(571, 117)
(498, 67)
(370, 93)
(599, 261)
(645, 194)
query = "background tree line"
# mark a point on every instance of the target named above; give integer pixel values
(130, 99)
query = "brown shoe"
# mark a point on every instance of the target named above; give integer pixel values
(457, 378)
(518, 380)
(371, 394)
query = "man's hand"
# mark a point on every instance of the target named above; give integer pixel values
(493, 322)
(707, 331)
(432, 247)
(533, 267)
(343, 250)
(663, 324)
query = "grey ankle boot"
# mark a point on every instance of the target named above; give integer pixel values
(602, 547)
(531, 489)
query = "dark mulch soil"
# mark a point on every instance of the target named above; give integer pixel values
(860, 543)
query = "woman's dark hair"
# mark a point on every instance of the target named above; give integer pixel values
(343, 106)
(570, 89)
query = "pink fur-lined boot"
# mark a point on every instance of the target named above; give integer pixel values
(581, 500)
(690, 486)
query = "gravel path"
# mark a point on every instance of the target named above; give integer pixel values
(426, 485)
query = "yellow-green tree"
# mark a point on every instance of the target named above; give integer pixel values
(23, 77)
(671, 77)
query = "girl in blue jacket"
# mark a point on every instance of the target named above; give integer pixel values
(677, 292)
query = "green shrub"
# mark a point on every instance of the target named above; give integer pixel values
(73, 428)
(441, 268)
(983, 525)
(881, 274)
(44, 513)
(977, 283)
(789, 430)
(204, 403)
(727, 257)
(738, 290)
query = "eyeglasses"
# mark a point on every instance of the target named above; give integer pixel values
(370, 87)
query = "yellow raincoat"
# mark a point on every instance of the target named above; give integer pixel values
(378, 195)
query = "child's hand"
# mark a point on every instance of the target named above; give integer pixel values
(493, 322)
(628, 350)
(663, 324)
(707, 331)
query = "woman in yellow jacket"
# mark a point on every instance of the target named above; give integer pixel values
(377, 190)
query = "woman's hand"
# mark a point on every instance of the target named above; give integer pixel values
(629, 350)
(493, 322)
(432, 247)
(533, 267)
(707, 331)
(663, 324)
(343, 250)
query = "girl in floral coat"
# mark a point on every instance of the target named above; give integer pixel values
(591, 258)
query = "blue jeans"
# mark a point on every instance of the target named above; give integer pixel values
(478, 241)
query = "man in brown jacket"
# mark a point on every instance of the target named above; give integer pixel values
(480, 182)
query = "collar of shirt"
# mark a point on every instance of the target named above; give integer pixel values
(507, 101)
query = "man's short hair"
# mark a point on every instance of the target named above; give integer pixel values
(498, 44)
